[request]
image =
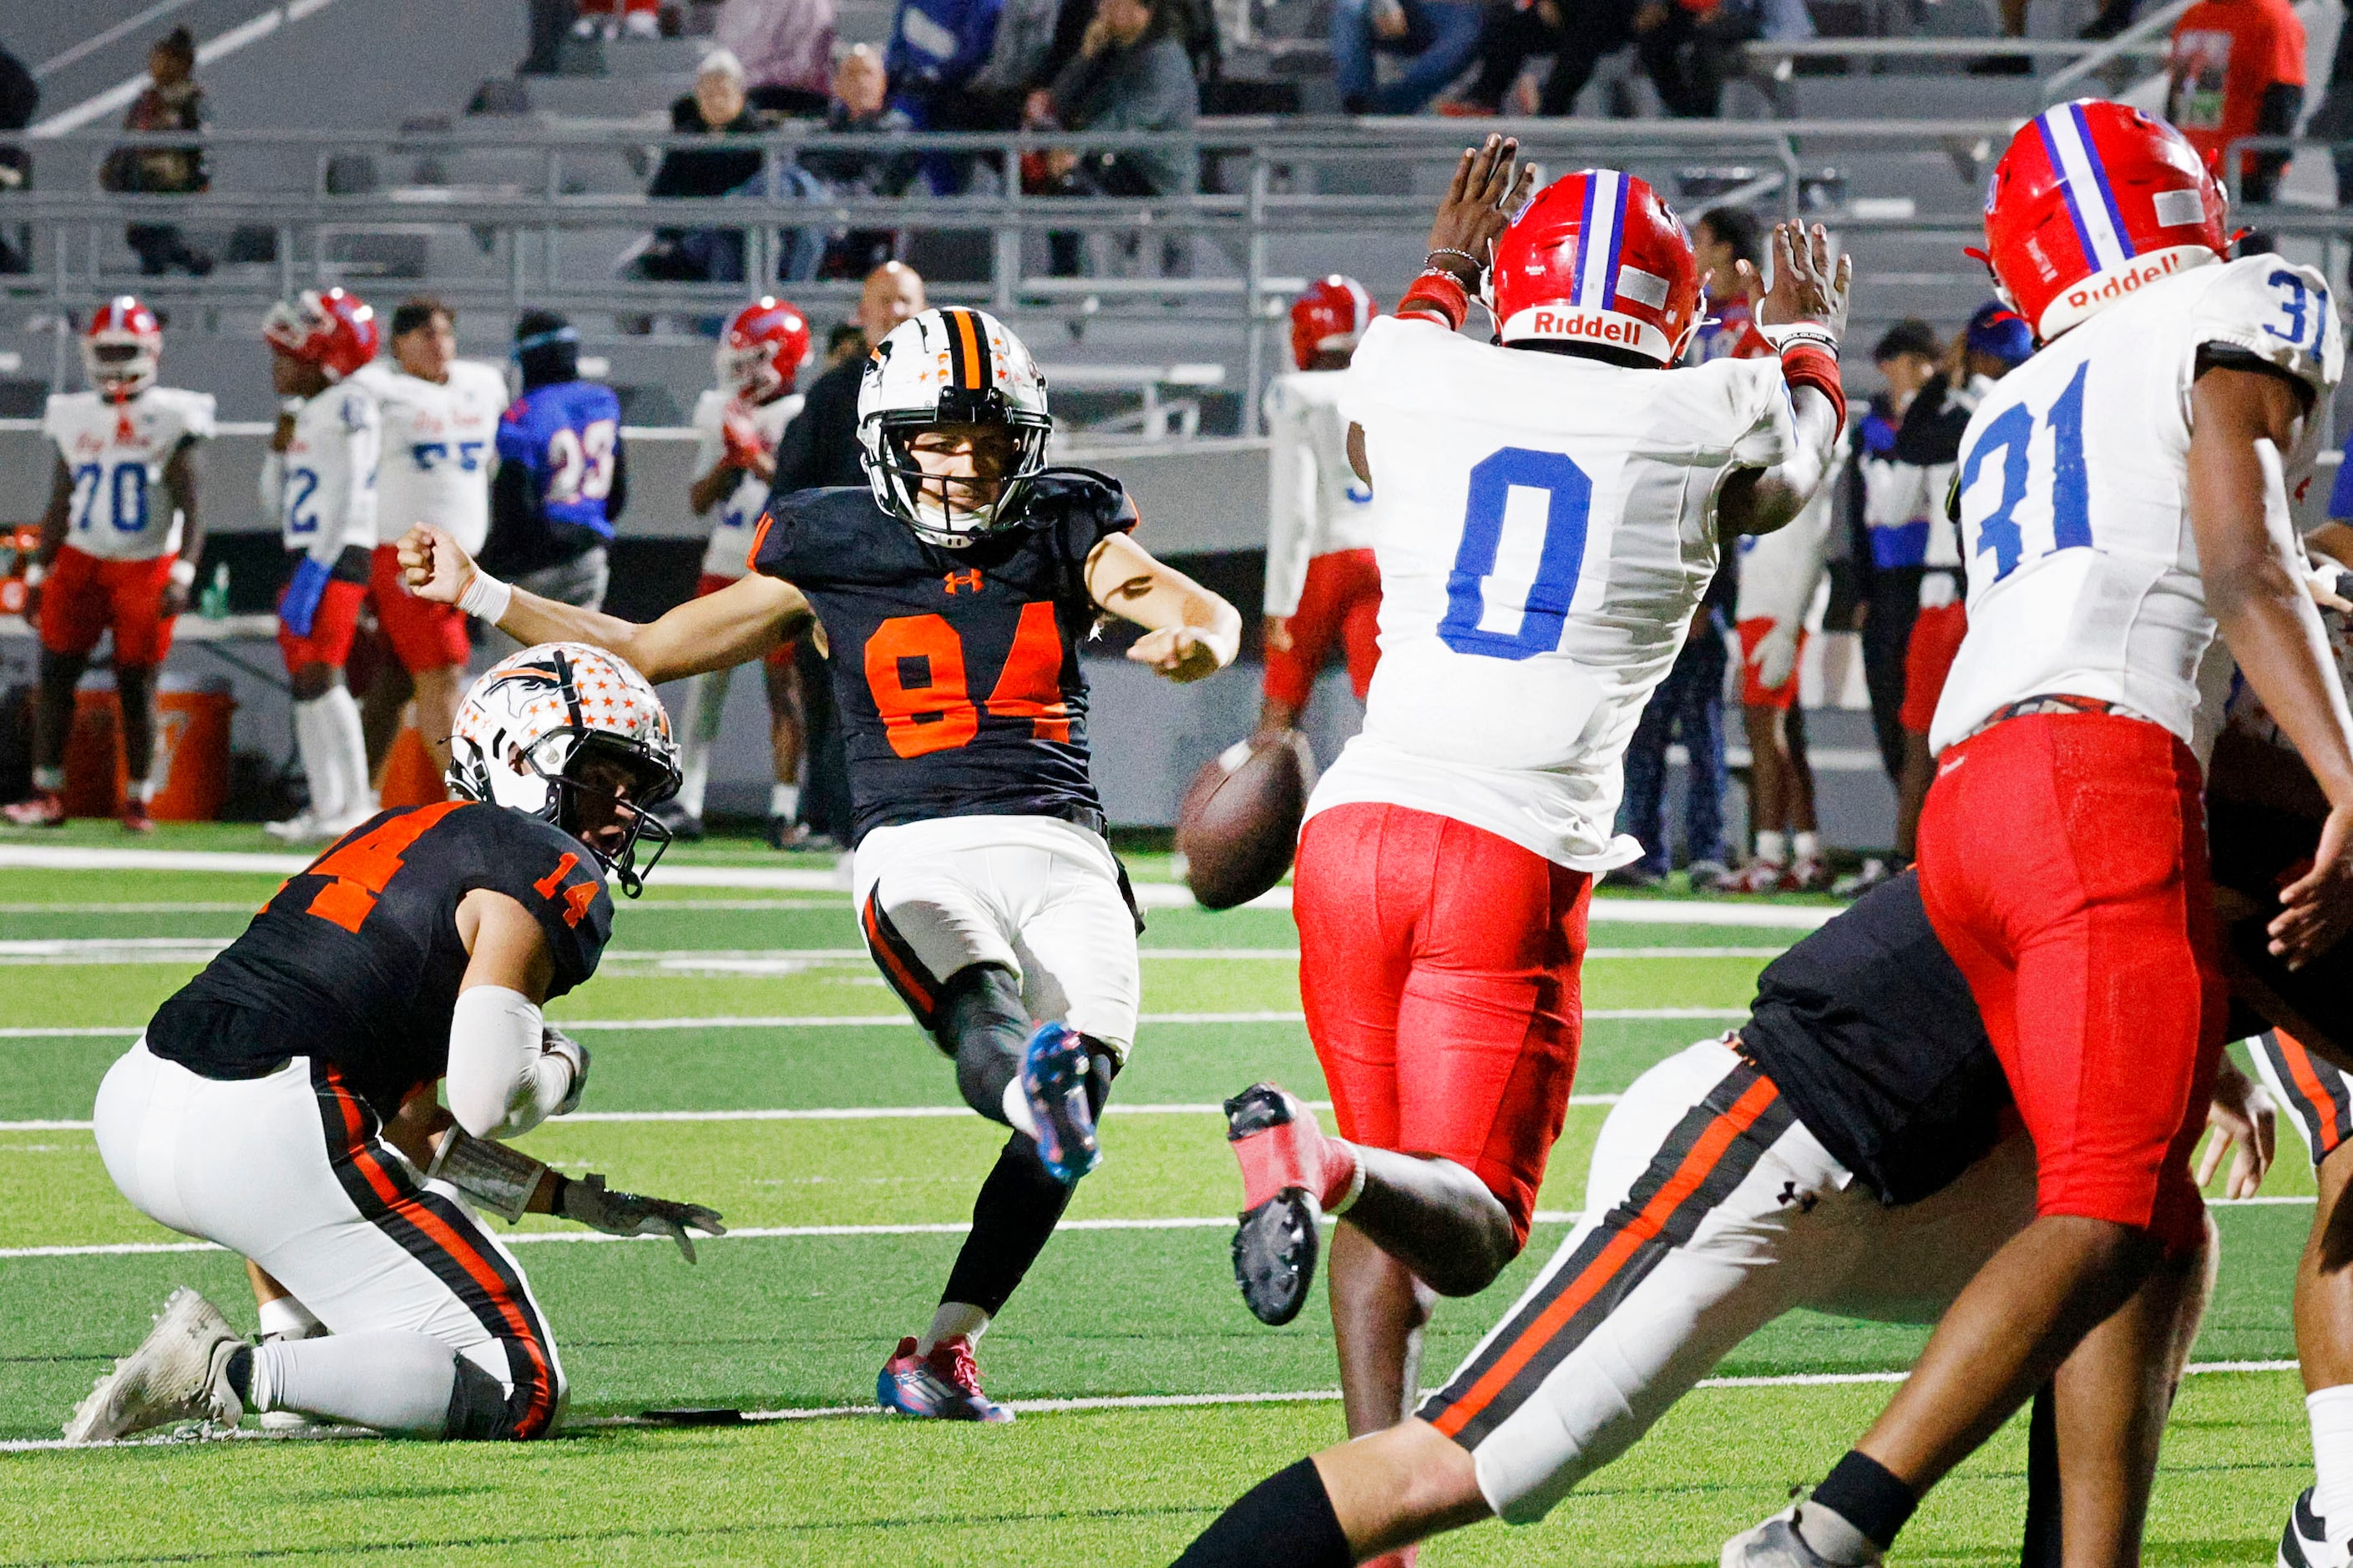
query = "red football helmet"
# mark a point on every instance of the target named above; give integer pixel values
(763, 348)
(123, 348)
(1597, 257)
(331, 329)
(2093, 200)
(1329, 317)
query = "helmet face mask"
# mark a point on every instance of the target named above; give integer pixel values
(961, 378)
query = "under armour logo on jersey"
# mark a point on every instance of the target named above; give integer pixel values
(1804, 1201)
(958, 580)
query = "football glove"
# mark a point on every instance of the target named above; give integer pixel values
(589, 1201)
(554, 1041)
(1776, 656)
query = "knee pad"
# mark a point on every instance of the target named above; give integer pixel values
(482, 1409)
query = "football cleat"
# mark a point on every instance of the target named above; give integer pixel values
(942, 1386)
(1285, 1172)
(2305, 1542)
(1874, 871)
(1757, 877)
(301, 827)
(684, 826)
(43, 808)
(1054, 1069)
(179, 1373)
(1775, 1543)
(136, 817)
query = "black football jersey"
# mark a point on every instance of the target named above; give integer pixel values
(956, 671)
(356, 960)
(1870, 1031)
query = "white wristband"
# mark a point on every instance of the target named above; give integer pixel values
(184, 572)
(486, 598)
(1783, 337)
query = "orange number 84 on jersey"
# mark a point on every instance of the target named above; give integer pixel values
(915, 667)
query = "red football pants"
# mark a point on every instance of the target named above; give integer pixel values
(1339, 601)
(1439, 966)
(2063, 860)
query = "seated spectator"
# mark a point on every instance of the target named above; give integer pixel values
(1131, 73)
(2237, 69)
(1440, 36)
(717, 107)
(860, 101)
(1681, 59)
(171, 102)
(968, 65)
(786, 48)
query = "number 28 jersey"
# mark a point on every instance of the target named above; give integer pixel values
(115, 454)
(956, 672)
(2073, 489)
(1545, 525)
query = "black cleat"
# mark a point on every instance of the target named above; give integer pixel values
(1274, 1139)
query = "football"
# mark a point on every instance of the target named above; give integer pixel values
(1239, 820)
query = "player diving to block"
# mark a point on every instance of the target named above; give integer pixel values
(281, 1103)
(954, 592)
(1849, 1150)
(1548, 513)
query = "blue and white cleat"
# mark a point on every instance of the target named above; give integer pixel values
(1054, 1069)
(942, 1386)
(2306, 1543)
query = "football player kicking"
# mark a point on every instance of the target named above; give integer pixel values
(953, 591)
(1849, 1151)
(2122, 496)
(1547, 514)
(280, 1105)
(740, 422)
(119, 547)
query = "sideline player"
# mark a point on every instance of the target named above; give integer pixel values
(1447, 862)
(119, 547)
(1323, 586)
(1779, 576)
(319, 482)
(272, 1105)
(440, 423)
(739, 422)
(2114, 496)
(1848, 1151)
(955, 592)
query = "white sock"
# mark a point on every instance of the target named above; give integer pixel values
(2331, 1411)
(50, 779)
(347, 751)
(1017, 1109)
(311, 743)
(1772, 847)
(1806, 845)
(954, 1318)
(391, 1380)
(784, 802)
(1832, 1538)
(284, 1317)
(706, 698)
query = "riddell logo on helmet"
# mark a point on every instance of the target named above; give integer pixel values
(1598, 326)
(2117, 284)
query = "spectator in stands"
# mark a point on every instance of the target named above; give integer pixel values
(169, 102)
(1669, 40)
(562, 475)
(2237, 69)
(618, 19)
(968, 65)
(1439, 37)
(717, 107)
(20, 98)
(1131, 73)
(786, 48)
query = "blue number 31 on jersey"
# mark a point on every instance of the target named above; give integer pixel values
(2010, 435)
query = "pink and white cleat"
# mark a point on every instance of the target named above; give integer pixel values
(942, 1386)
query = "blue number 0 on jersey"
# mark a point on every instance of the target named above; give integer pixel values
(1568, 501)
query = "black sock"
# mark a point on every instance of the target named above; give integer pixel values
(1868, 1496)
(2044, 1539)
(240, 1373)
(1015, 1215)
(980, 1022)
(1285, 1519)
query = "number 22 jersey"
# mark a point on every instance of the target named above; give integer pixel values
(1545, 525)
(2073, 493)
(956, 672)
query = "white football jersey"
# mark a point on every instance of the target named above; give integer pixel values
(326, 491)
(1545, 525)
(1315, 504)
(115, 454)
(728, 552)
(1780, 571)
(439, 447)
(2083, 573)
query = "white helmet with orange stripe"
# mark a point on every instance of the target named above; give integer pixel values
(952, 420)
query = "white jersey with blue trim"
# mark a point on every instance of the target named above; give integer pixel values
(1315, 504)
(439, 447)
(2083, 572)
(115, 454)
(730, 551)
(1546, 526)
(326, 496)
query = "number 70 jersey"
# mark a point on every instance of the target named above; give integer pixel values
(1546, 526)
(2073, 489)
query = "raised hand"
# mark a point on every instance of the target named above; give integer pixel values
(434, 565)
(1808, 285)
(1180, 653)
(1489, 186)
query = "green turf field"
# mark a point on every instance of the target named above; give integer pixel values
(1153, 1396)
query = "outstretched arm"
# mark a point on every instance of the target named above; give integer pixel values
(1803, 314)
(735, 625)
(1191, 634)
